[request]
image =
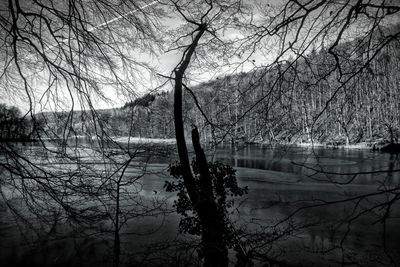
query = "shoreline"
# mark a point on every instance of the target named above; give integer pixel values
(143, 140)
(375, 145)
(171, 141)
(362, 145)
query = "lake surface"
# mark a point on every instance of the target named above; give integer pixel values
(282, 181)
(341, 224)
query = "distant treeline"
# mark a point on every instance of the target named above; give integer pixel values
(148, 116)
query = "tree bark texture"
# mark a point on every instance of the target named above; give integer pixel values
(214, 247)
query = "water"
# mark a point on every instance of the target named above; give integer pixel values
(342, 223)
(345, 211)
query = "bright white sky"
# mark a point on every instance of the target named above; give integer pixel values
(164, 64)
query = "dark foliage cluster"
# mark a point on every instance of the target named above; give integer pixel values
(225, 189)
(13, 125)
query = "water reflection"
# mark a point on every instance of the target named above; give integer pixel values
(307, 161)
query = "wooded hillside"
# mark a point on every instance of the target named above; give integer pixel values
(310, 101)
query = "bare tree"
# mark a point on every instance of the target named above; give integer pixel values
(215, 250)
(350, 38)
(59, 58)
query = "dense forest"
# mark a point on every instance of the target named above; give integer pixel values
(311, 101)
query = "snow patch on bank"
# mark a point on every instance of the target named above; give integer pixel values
(362, 145)
(140, 140)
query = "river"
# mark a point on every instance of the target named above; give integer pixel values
(298, 201)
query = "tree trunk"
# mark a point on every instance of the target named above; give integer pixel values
(214, 248)
(212, 221)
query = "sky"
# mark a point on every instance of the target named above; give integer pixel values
(164, 63)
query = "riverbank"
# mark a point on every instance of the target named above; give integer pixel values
(392, 148)
(377, 145)
(370, 145)
(362, 145)
(373, 145)
(142, 140)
